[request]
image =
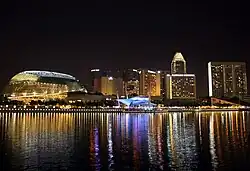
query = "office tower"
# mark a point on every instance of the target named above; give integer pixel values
(227, 79)
(131, 82)
(163, 82)
(97, 74)
(150, 83)
(180, 86)
(178, 64)
(111, 86)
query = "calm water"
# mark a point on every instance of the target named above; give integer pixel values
(95, 141)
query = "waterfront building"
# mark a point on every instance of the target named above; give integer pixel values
(227, 79)
(150, 83)
(163, 82)
(41, 85)
(180, 86)
(131, 82)
(138, 101)
(107, 81)
(109, 85)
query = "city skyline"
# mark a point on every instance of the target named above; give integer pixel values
(74, 37)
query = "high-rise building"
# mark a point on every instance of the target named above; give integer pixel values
(178, 64)
(163, 82)
(108, 82)
(150, 83)
(111, 86)
(180, 86)
(131, 82)
(227, 79)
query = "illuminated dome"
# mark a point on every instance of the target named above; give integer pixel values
(41, 85)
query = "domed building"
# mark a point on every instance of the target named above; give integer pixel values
(41, 85)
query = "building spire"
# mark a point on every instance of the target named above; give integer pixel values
(178, 64)
(178, 57)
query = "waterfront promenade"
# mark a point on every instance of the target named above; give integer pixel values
(119, 110)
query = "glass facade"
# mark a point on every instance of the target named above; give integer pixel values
(181, 86)
(227, 79)
(150, 83)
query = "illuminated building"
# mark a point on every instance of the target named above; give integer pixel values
(111, 86)
(136, 102)
(107, 81)
(96, 74)
(180, 86)
(227, 79)
(150, 83)
(178, 64)
(163, 82)
(41, 85)
(131, 81)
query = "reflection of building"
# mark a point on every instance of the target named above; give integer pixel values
(41, 85)
(181, 86)
(131, 82)
(178, 65)
(227, 79)
(150, 83)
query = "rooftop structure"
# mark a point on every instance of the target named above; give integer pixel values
(41, 85)
(137, 101)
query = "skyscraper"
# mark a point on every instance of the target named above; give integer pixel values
(131, 81)
(178, 64)
(107, 82)
(227, 79)
(150, 83)
(179, 84)
(163, 82)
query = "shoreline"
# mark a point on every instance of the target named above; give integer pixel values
(118, 110)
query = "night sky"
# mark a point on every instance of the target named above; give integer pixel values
(73, 37)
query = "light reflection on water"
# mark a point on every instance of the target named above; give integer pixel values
(109, 141)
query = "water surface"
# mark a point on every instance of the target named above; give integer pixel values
(109, 141)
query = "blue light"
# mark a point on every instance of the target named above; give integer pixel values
(136, 101)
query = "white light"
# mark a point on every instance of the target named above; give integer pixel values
(135, 70)
(149, 71)
(110, 78)
(210, 92)
(158, 72)
(183, 75)
(95, 70)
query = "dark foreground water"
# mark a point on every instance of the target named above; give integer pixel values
(96, 141)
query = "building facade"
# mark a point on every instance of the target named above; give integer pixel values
(131, 82)
(108, 82)
(180, 86)
(150, 84)
(41, 85)
(227, 79)
(109, 86)
(163, 82)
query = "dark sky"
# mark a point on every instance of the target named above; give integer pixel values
(73, 37)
